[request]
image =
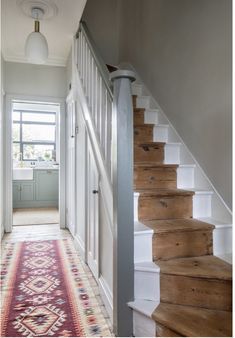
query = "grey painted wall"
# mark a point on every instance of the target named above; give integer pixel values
(102, 18)
(28, 79)
(182, 51)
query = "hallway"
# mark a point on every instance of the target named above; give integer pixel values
(46, 288)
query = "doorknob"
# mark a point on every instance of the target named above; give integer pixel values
(95, 191)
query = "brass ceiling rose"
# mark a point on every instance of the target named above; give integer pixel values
(48, 8)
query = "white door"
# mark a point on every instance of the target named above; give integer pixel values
(70, 166)
(93, 215)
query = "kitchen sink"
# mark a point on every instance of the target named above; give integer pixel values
(22, 174)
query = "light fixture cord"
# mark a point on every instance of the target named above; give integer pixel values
(37, 26)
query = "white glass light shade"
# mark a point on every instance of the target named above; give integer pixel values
(36, 48)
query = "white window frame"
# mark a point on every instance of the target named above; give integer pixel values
(21, 142)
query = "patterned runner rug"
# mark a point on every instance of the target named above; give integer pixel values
(46, 293)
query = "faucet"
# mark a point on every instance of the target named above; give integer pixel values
(21, 160)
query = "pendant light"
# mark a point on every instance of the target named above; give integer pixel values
(36, 47)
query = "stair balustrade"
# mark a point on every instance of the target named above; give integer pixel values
(98, 90)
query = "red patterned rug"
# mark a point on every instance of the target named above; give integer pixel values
(46, 293)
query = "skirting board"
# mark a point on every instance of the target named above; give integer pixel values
(106, 296)
(79, 245)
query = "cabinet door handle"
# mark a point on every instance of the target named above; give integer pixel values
(95, 191)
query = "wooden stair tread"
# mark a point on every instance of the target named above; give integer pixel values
(164, 192)
(154, 165)
(209, 267)
(144, 125)
(177, 225)
(139, 110)
(191, 321)
(151, 144)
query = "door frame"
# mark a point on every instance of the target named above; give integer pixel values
(7, 155)
(70, 101)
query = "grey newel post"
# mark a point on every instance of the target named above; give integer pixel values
(123, 244)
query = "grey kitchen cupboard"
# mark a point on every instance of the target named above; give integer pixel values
(16, 192)
(40, 192)
(23, 191)
(46, 185)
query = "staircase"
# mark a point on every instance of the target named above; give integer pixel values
(181, 289)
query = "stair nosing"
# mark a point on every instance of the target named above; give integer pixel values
(150, 143)
(147, 125)
(190, 274)
(155, 165)
(169, 324)
(163, 192)
(201, 226)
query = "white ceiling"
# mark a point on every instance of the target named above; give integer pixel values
(58, 31)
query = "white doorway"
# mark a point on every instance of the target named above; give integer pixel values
(71, 166)
(34, 162)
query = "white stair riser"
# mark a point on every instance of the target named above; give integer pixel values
(160, 133)
(185, 177)
(143, 102)
(151, 116)
(143, 246)
(172, 153)
(222, 241)
(202, 205)
(147, 285)
(137, 89)
(143, 326)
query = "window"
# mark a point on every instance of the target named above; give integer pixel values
(34, 134)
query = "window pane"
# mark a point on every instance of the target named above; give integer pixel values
(38, 133)
(16, 116)
(16, 132)
(15, 151)
(37, 151)
(36, 117)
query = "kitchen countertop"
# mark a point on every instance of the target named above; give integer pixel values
(38, 168)
(46, 168)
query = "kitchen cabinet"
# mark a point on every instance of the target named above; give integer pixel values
(23, 191)
(46, 185)
(42, 191)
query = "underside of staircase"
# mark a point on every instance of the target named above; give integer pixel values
(195, 286)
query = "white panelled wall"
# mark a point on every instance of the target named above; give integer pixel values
(77, 200)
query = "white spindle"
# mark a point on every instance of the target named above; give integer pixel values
(99, 84)
(96, 97)
(109, 134)
(89, 78)
(86, 68)
(92, 87)
(81, 56)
